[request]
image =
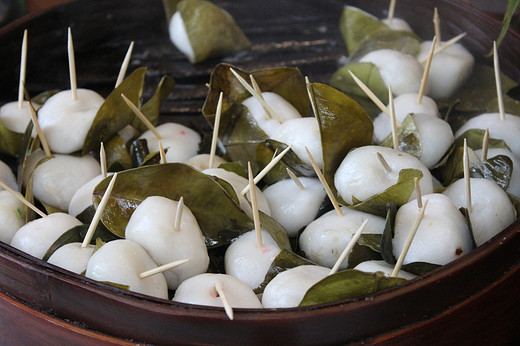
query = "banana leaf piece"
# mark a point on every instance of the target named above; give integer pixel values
(399, 193)
(10, 141)
(139, 151)
(356, 26)
(76, 235)
(369, 74)
(211, 31)
(402, 41)
(387, 249)
(219, 216)
(361, 253)
(348, 284)
(408, 138)
(152, 108)
(344, 125)
(114, 113)
(286, 259)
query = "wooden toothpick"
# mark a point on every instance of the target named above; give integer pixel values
(295, 179)
(426, 71)
(419, 194)
(260, 99)
(254, 207)
(383, 162)
(124, 65)
(323, 181)
(498, 81)
(409, 240)
(216, 126)
(393, 120)
(43, 140)
(437, 24)
(23, 66)
(347, 249)
(222, 294)
(370, 94)
(99, 211)
(141, 117)
(22, 199)
(162, 268)
(103, 160)
(467, 181)
(267, 168)
(485, 144)
(310, 94)
(391, 11)
(178, 215)
(72, 67)
(162, 153)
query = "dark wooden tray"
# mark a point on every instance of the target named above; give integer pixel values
(473, 300)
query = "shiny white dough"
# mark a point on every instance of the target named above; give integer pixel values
(248, 262)
(324, 239)
(239, 183)
(383, 267)
(403, 105)
(362, 175)
(82, 198)
(514, 183)
(65, 122)
(287, 289)
(12, 216)
(449, 69)
(14, 118)
(442, 236)
(152, 225)
(121, 261)
(283, 108)
(7, 176)
(507, 129)
(179, 36)
(492, 211)
(37, 236)
(436, 138)
(292, 207)
(402, 71)
(57, 179)
(72, 257)
(397, 24)
(201, 161)
(301, 133)
(201, 290)
(180, 142)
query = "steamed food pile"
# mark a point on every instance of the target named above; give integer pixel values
(233, 228)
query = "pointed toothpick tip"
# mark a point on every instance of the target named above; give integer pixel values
(370, 94)
(216, 125)
(124, 65)
(348, 248)
(142, 117)
(254, 207)
(162, 268)
(225, 301)
(23, 69)
(178, 215)
(295, 179)
(424, 79)
(393, 119)
(498, 82)
(72, 66)
(103, 160)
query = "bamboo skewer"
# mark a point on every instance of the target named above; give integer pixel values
(324, 183)
(162, 268)
(99, 211)
(254, 207)
(23, 69)
(370, 94)
(426, 72)
(348, 248)
(216, 126)
(310, 94)
(437, 25)
(72, 67)
(393, 120)
(444, 46)
(43, 140)
(124, 65)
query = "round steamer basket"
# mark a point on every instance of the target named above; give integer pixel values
(473, 300)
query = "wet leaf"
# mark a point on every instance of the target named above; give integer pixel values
(419, 268)
(361, 253)
(357, 26)
(408, 138)
(344, 125)
(118, 157)
(369, 74)
(211, 31)
(277, 232)
(347, 284)
(399, 193)
(402, 41)
(76, 235)
(10, 141)
(220, 218)
(139, 151)
(498, 169)
(284, 260)
(114, 114)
